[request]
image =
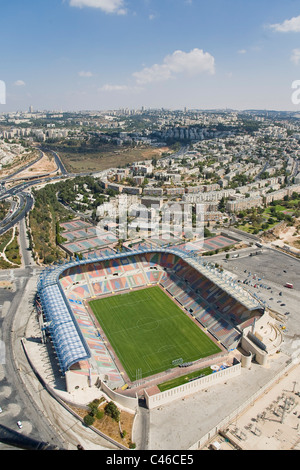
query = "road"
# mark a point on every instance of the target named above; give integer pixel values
(15, 400)
(24, 245)
(13, 175)
(25, 205)
(25, 199)
(178, 155)
(22, 397)
(58, 161)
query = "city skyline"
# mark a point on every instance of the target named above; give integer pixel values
(74, 55)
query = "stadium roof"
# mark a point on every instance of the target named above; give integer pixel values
(228, 285)
(68, 341)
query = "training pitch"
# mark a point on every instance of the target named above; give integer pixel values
(148, 332)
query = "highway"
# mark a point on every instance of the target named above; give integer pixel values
(25, 205)
(26, 200)
(178, 155)
(13, 175)
(58, 161)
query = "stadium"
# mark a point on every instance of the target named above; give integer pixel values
(131, 322)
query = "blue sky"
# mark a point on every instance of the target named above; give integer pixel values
(109, 54)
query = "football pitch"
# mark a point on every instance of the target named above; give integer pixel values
(148, 331)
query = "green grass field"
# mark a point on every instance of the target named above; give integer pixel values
(148, 331)
(183, 379)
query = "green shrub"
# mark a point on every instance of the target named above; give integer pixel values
(99, 414)
(112, 410)
(89, 420)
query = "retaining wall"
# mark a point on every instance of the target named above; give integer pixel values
(163, 398)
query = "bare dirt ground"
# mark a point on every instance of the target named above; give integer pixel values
(284, 235)
(111, 428)
(44, 166)
(18, 163)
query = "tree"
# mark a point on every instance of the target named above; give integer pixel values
(93, 406)
(89, 420)
(112, 410)
(221, 205)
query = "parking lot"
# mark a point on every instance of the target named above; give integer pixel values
(265, 275)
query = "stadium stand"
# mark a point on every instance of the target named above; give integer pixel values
(221, 307)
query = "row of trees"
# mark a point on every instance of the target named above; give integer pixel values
(48, 213)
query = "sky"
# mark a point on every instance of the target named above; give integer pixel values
(74, 55)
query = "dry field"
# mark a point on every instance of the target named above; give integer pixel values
(99, 161)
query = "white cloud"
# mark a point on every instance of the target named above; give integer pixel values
(295, 57)
(85, 74)
(191, 63)
(19, 83)
(119, 88)
(288, 26)
(108, 6)
(242, 51)
(110, 88)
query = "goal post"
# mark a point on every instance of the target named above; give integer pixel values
(138, 374)
(177, 362)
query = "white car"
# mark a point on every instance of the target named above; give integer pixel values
(20, 425)
(1, 409)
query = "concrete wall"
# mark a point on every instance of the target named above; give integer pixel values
(127, 402)
(246, 359)
(195, 386)
(260, 356)
(248, 235)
